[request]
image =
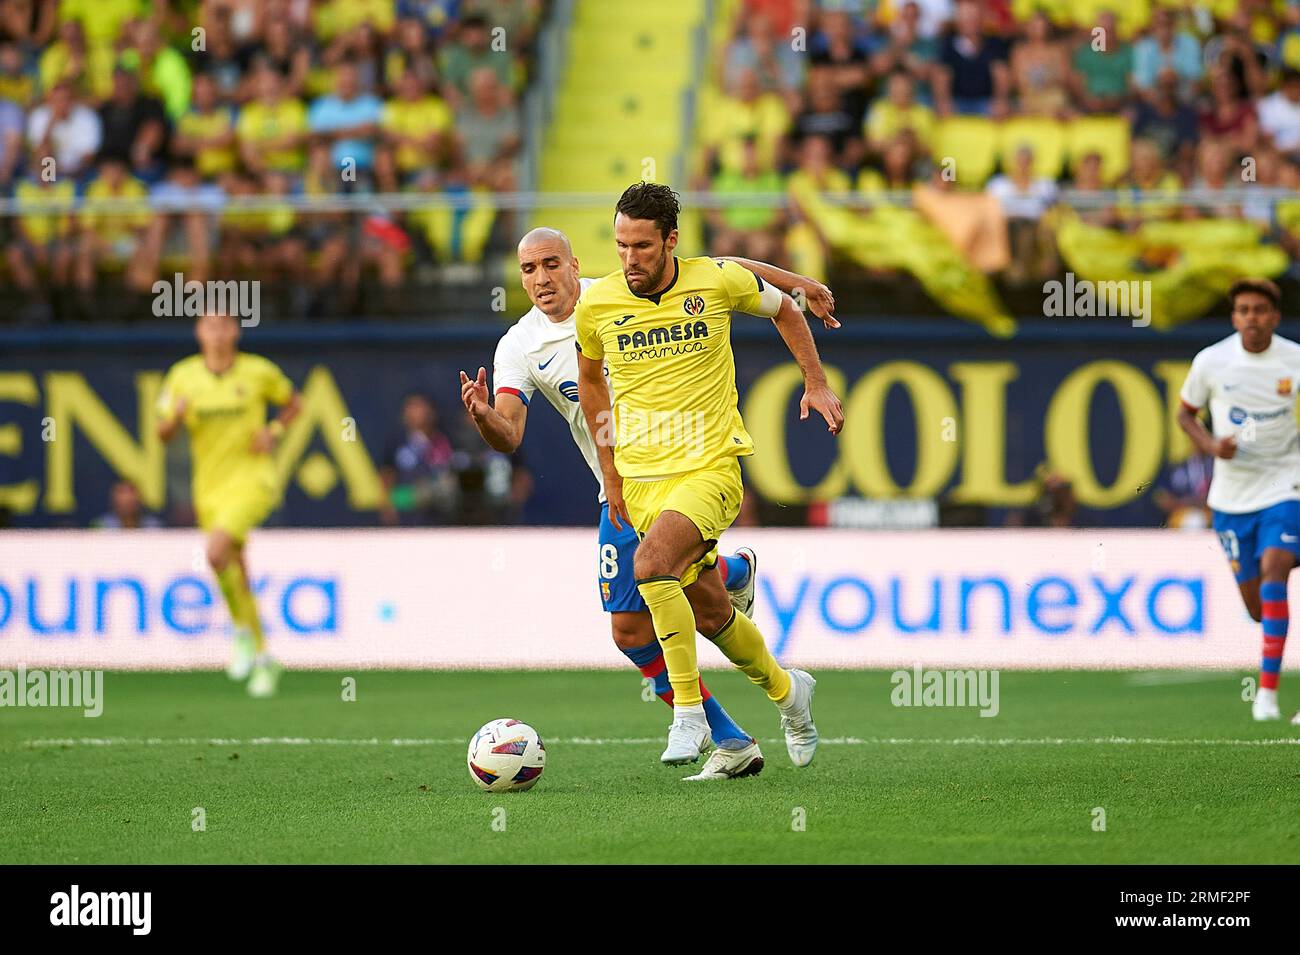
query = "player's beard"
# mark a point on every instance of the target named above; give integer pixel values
(652, 279)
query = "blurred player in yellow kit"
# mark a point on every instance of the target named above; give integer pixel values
(670, 453)
(220, 396)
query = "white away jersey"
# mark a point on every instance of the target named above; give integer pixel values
(537, 354)
(1251, 397)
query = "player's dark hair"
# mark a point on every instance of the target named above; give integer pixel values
(216, 313)
(1260, 287)
(650, 200)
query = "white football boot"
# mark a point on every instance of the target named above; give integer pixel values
(743, 599)
(687, 737)
(242, 656)
(265, 678)
(796, 719)
(746, 759)
(1265, 706)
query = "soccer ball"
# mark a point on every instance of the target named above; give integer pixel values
(506, 756)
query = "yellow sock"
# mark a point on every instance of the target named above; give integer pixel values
(675, 629)
(742, 643)
(251, 618)
(239, 600)
(231, 579)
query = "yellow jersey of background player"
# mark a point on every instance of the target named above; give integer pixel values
(220, 396)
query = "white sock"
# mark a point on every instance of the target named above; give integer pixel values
(792, 698)
(694, 713)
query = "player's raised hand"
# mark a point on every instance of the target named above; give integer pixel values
(821, 301)
(1225, 448)
(475, 393)
(821, 399)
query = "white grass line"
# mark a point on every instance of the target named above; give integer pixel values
(93, 741)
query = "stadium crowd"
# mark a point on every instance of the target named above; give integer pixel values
(996, 107)
(192, 100)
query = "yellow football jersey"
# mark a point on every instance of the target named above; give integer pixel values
(670, 364)
(109, 226)
(259, 122)
(44, 227)
(223, 413)
(210, 161)
(424, 116)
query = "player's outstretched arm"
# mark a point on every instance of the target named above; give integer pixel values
(593, 397)
(820, 299)
(501, 427)
(1205, 442)
(817, 394)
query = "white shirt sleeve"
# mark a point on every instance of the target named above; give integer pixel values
(769, 301)
(1196, 389)
(511, 372)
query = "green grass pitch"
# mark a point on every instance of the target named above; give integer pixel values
(1178, 768)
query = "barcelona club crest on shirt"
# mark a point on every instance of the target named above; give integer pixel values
(604, 590)
(694, 304)
(1284, 386)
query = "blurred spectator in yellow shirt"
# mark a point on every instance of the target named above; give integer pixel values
(747, 112)
(41, 244)
(206, 133)
(114, 239)
(896, 112)
(102, 20)
(17, 76)
(1147, 177)
(414, 128)
(272, 128)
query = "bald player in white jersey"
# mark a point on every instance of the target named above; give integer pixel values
(1249, 380)
(539, 354)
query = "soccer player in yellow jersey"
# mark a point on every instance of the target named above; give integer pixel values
(670, 452)
(220, 397)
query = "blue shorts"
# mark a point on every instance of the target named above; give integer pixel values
(614, 571)
(1245, 537)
